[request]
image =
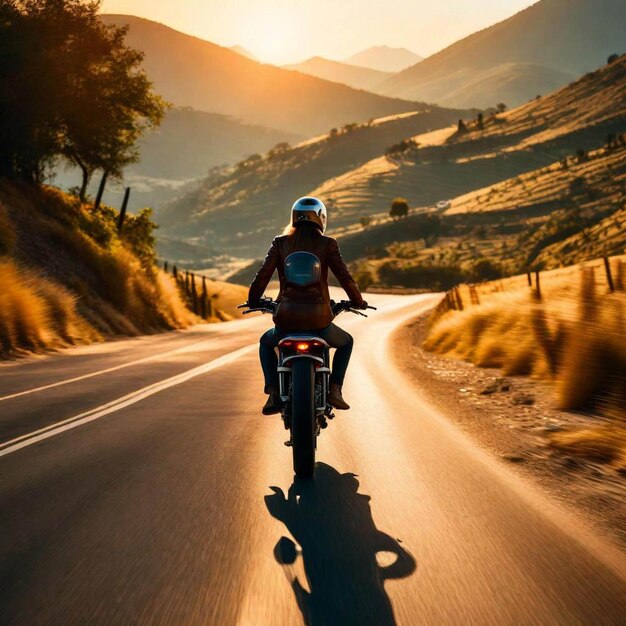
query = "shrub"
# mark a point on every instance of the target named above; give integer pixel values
(399, 208)
(363, 279)
(433, 276)
(485, 269)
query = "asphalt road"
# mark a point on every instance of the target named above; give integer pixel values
(139, 484)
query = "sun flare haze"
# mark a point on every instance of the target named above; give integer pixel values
(289, 31)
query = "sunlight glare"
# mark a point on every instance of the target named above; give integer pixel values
(271, 35)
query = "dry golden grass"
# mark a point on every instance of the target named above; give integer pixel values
(573, 335)
(66, 278)
(36, 313)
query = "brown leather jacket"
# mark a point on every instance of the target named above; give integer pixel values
(304, 308)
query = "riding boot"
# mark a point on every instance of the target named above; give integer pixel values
(336, 399)
(273, 404)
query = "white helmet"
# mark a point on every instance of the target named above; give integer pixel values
(309, 209)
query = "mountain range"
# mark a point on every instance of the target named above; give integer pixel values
(545, 44)
(352, 75)
(384, 58)
(192, 72)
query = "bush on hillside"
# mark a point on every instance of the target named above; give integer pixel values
(72, 278)
(434, 277)
(485, 269)
(399, 208)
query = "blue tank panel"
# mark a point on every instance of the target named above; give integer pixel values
(303, 268)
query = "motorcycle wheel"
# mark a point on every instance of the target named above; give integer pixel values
(303, 417)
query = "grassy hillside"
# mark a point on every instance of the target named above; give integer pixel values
(511, 83)
(572, 334)
(239, 210)
(352, 75)
(561, 214)
(192, 72)
(66, 277)
(571, 36)
(447, 163)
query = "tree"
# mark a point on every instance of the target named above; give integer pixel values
(461, 127)
(612, 58)
(484, 269)
(501, 107)
(480, 121)
(399, 208)
(69, 87)
(111, 108)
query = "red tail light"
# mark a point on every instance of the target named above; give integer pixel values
(302, 345)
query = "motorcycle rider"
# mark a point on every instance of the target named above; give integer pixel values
(305, 307)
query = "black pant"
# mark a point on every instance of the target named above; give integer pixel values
(333, 335)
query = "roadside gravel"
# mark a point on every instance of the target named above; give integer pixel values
(513, 417)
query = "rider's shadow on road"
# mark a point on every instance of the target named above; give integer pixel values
(333, 525)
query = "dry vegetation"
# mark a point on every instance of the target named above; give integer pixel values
(66, 277)
(238, 209)
(447, 164)
(565, 213)
(573, 334)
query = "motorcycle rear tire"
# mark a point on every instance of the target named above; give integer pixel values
(303, 417)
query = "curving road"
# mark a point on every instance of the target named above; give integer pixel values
(139, 484)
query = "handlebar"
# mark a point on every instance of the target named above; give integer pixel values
(347, 305)
(267, 305)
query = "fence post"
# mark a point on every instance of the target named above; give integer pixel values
(103, 183)
(175, 273)
(619, 275)
(194, 294)
(120, 219)
(538, 285)
(203, 299)
(165, 266)
(530, 279)
(187, 282)
(458, 298)
(609, 278)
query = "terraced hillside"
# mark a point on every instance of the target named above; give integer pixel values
(239, 209)
(448, 163)
(570, 211)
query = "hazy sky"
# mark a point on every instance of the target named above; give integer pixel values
(285, 31)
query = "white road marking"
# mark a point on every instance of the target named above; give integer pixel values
(136, 396)
(186, 347)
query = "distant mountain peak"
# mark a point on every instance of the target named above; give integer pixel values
(385, 58)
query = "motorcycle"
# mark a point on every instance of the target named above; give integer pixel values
(303, 376)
